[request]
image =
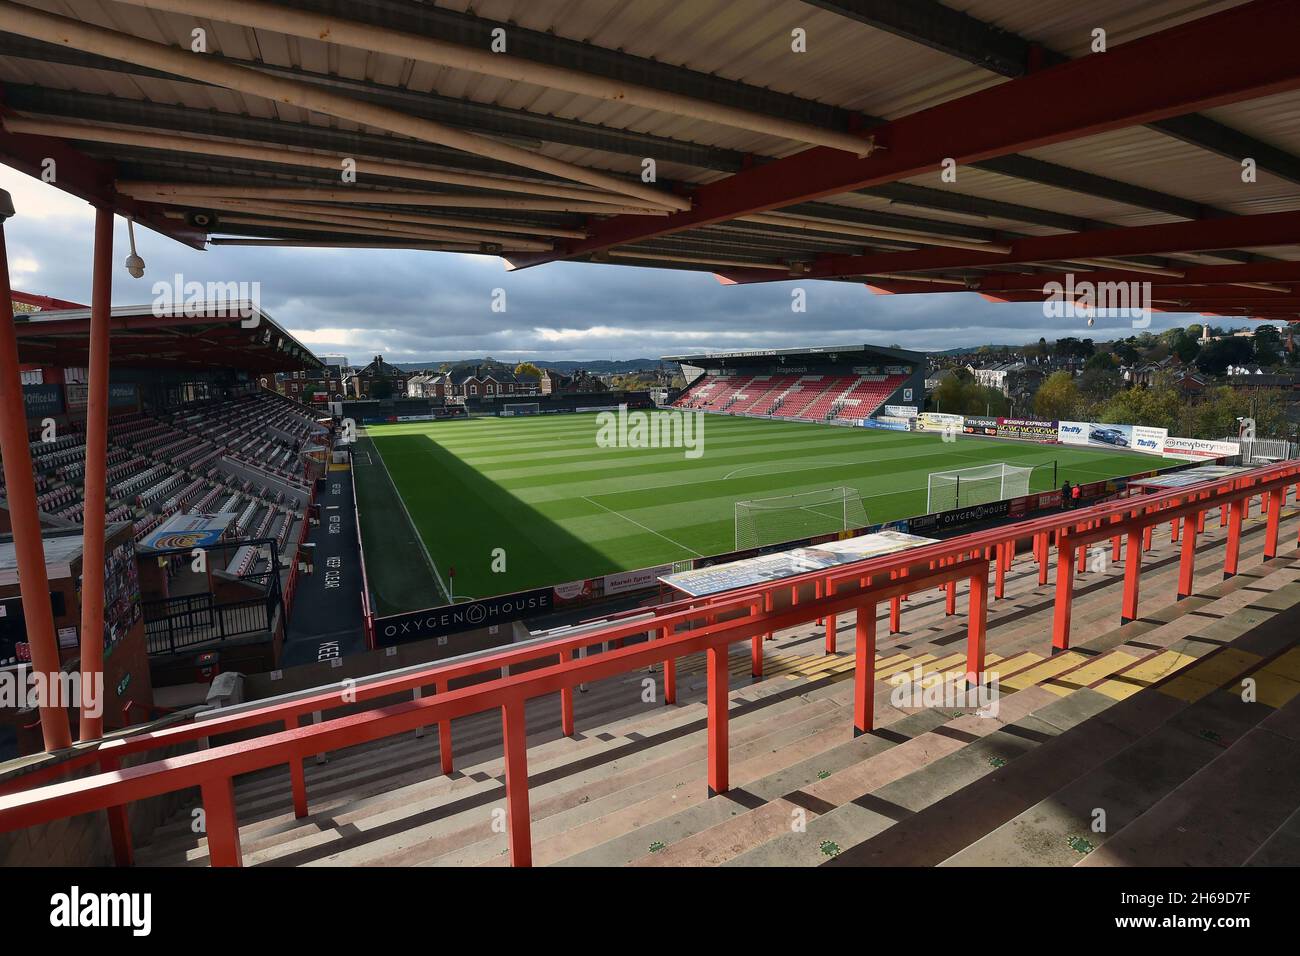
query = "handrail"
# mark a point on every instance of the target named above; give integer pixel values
(1143, 511)
(662, 616)
(114, 788)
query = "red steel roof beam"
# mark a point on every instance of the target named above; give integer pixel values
(1240, 54)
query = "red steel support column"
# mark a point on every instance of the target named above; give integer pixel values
(1132, 574)
(444, 733)
(514, 738)
(976, 626)
(1064, 594)
(20, 488)
(1173, 525)
(1146, 537)
(716, 667)
(864, 673)
(1187, 561)
(566, 700)
(1274, 522)
(220, 822)
(1236, 515)
(93, 518)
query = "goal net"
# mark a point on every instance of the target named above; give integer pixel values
(521, 408)
(764, 521)
(964, 487)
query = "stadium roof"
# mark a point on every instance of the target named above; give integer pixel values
(205, 337)
(704, 358)
(770, 163)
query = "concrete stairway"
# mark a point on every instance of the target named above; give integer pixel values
(1145, 722)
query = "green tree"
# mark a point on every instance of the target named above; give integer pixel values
(1215, 357)
(1058, 397)
(1268, 345)
(528, 368)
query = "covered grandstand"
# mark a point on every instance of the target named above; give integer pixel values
(916, 148)
(846, 383)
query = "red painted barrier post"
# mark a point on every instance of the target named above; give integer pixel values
(1132, 574)
(1275, 498)
(220, 822)
(444, 733)
(976, 626)
(297, 775)
(1236, 515)
(1187, 561)
(1064, 593)
(831, 622)
(864, 674)
(566, 700)
(514, 737)
(716, 667)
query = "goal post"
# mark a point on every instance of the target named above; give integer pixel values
(521, 408)
(963, 487)
(763, 521)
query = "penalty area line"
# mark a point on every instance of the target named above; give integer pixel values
(676, 544)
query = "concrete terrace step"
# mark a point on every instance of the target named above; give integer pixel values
(1204, 821)
(1059, 828)
(961, 820)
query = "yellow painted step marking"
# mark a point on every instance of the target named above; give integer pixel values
(1160, 665)
(1014, 663)
(1274, 690)
(1048, 669)
(1288, 665)
(904, 665)
(1207, 676)
(1117, 689)
(1089, 673)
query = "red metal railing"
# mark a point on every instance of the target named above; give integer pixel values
(709, 625)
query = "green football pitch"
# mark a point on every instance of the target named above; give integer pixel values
(538, 496)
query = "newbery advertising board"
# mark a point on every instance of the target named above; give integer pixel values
(1199, 449)
(1101, 435)
(1027, 429)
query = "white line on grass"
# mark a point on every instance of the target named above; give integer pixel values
(411, 524)
(643, 527)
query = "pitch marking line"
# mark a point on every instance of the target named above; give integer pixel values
(428, 558)
(620, 514)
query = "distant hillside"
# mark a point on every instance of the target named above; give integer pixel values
(599, 367)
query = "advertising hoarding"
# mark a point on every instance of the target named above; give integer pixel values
(1027, 429)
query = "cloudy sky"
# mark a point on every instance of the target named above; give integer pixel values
(418, 306)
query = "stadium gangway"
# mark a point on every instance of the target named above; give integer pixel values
(966, 556)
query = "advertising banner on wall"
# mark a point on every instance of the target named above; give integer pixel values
(980, 426)
(453, 618)
(901, 411)
(1199, 449)
(939, 422)
(893, 424)
(635, 580)
(1027, 429)
(42, 400)
(1101, 435)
